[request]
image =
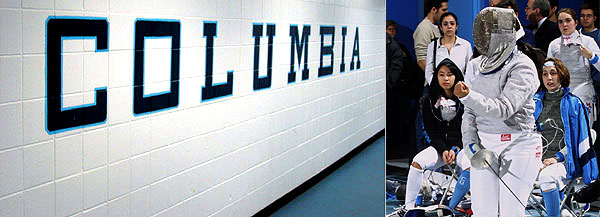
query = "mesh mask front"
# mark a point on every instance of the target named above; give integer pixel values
(494, 36)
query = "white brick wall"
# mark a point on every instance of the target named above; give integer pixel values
(231, 156)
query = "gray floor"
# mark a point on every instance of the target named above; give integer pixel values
(357, 188)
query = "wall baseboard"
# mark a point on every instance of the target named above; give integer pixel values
(288, 197)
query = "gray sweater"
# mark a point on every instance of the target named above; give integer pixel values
(501, 102)
(550, 119)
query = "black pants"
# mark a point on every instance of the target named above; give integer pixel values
(596, 145)
(400, 125)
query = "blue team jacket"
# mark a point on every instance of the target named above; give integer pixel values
(582, 160)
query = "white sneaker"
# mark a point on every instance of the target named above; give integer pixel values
(565, 213)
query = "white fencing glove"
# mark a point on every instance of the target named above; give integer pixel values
(479, 155)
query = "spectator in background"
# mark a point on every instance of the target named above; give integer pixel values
(391, 27)
(427, 30)
(448, 46)
(558, 111)
(553, 7)
(579, 53)
(401, 94)
(544, 30)
(395, 58)
(395, 103)
(528, 38)
(588, 15)
(442, 115)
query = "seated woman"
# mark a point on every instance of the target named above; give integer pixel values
(442, 117)
(562, 119)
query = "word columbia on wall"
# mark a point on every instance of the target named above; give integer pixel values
(59, 119)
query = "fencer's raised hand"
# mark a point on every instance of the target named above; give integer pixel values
(448, 156)
(461, 89)
(585, 52)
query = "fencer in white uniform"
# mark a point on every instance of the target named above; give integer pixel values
(498, 116)
(579, 53)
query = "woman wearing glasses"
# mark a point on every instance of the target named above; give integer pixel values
(588, 18)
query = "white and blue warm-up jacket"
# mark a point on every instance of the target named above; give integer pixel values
(582, 160)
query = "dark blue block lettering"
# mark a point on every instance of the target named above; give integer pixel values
(210, 91)
(60, 119)
(300, 44)
(355, 52)
(148, 29)
(257, 32)
(326, 50)
(343, 64)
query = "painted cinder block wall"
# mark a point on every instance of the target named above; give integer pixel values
(224, 156)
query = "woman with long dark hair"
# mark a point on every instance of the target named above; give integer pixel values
(448, 46)
(442, 117)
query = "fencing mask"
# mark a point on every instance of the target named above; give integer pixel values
(495, 34)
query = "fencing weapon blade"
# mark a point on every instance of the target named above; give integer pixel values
(505, 185)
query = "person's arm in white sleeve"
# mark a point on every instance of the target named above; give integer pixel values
(469, 128)
(469, 73)
(550, 52)
(469, 55)
(592, 46)
(428, 66)
(519, 87)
